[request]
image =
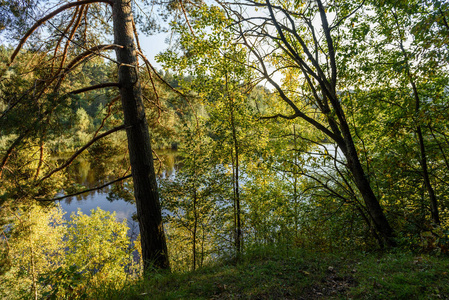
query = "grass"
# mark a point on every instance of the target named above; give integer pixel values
(270, 273)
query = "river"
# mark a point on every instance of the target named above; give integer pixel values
(88, 175)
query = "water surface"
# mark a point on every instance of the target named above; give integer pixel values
(86, 173)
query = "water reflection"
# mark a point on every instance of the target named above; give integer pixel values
(90, 173)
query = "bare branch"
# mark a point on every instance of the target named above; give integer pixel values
(136, 36)
(290, 117)
(88, 190)
(70, 37)
(77, 153)
(148, 65)
(58, 44)
(159, 76)
(80, 58)
(48, 17)
(185, 16)
(95, 87)
(330, 45)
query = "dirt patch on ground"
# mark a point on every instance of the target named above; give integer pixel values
(332, 285)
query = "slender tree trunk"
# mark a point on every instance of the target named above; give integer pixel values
(235, 167)
(422, 148)
(295, 183)
(423, 161)
(203, 240)
(195, 227)
(234, 204)
(154, 248)
(238, 242)
(33, 270)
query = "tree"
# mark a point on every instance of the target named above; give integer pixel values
(396, 25)
(222, 83)
(51, 258)
(84, 239)
(402, 46)
(35, 246)
(192, 201)
(283, 37)
(154, 250)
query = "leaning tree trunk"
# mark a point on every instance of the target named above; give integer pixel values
(372, 204)
(346, 143)
(154, 247)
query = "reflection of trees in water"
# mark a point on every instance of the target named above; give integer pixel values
(171, 161)
(121, 191)
(89, 172)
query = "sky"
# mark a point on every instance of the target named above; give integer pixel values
(153, 45)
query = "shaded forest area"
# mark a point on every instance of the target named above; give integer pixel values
(316, 126)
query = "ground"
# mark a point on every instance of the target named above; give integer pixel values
(304, 274)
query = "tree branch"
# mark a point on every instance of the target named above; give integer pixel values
(88, 190)
(48, 17)
(107, 115)
(291, 117)
(58, 44)
(94, 87)
(81, 57)
(147, 62)
(70, 37)
(75, 155)
(347, 16)
(330, 44)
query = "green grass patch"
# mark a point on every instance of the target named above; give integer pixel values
(271, 273)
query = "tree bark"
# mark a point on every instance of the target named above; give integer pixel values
(154, 247)
(372, 204)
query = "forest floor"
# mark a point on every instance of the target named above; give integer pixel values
(266, 274)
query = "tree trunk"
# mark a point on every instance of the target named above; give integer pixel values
(422, 148)
(238, 240)
(195, 227)
(235, 175)
(363, 185)
(375, 210)
(295, 183)
(154, 247)
(423, 161)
